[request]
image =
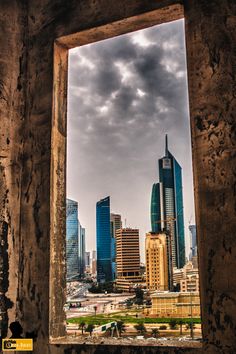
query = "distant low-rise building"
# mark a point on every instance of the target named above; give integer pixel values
(189, 284)
(187, 278)
(177, 305)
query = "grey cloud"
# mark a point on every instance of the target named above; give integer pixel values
(115, 134)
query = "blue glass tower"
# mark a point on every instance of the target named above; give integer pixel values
(104, 271)
(167, 205)
(72, 224)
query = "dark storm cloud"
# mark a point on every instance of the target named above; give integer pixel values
(99, 69)
(124, 94)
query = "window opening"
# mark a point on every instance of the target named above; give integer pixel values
(131, 249)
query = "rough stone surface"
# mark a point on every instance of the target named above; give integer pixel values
(32, 164)
(211, 52)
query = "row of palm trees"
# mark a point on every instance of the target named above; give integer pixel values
(140, 327)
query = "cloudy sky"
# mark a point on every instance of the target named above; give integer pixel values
(125, 94)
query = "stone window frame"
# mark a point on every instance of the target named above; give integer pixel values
(57, 276)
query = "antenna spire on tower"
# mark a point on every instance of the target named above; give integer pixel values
(166, 146)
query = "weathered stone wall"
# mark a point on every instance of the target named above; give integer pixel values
(211, 52)
(13, 73)
(26, 85)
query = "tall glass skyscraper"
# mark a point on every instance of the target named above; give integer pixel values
(81, 250)
(72, 225)
(103, 239)
(167, 205)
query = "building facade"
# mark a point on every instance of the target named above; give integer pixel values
(103, 241)
(167, 206)
(187, 278)
(72, 232)
(116, 223)
(127, 258)
(189, 284)
(81, 250)
(178, 305)
(94, 263)
(87, 259)
(156, 262)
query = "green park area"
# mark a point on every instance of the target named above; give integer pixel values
(101, 319)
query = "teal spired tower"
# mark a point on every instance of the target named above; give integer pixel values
(167, 205)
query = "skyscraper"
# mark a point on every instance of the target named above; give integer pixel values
(167, 205)
(127, 258)
(116, 224)
(81, 250)
(157, 275)
(72, 225)
(103, 239)
(87, 259)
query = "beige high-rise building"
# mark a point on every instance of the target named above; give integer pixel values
(127, 258)
(115, 224)
(156, 261)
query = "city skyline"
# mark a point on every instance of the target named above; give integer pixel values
(124, 95)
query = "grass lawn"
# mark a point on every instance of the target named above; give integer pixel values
(102, 319)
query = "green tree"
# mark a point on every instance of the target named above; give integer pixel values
(140, 328)
(90, 328)
(139, 296)
(81, 326)
(190, 326)
(173, 324)
(121, 327)
(163, 327)
(95, 310)
(155, 332)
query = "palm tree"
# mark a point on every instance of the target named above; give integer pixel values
(190, 326)
(81, 326)
(90, 328)
(95, 309)
(155, 332)
(121, 327)
(180, 323)
(140, 328)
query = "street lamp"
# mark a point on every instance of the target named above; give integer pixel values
(191, 312)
